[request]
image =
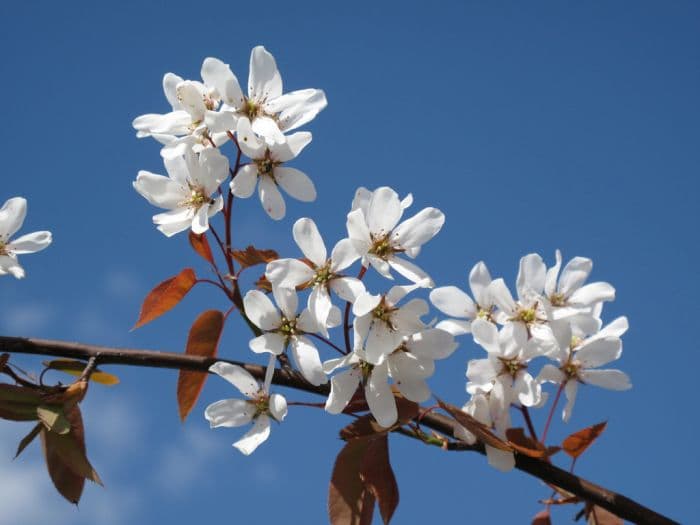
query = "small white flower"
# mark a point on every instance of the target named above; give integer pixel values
(380, 324)
(284, 328)
(578, 360)
(259, 407)
(378, 237)
(186, 192)
(319, 271)
(12, 216)
(267, 170)
(454, 302)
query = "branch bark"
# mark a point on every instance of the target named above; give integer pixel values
(618, 504)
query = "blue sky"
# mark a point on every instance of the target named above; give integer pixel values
(533, 126)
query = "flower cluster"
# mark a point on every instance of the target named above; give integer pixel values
(12, 216)
(388, 343)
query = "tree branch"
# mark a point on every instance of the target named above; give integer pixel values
(618, 504)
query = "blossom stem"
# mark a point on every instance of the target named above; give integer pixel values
(528, 421)
(551, 413)
(327, 341)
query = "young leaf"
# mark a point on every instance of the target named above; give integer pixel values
(252, 256)
(53, 419)
(166, 296)
(200, 244)
(476, 427)
(75, 368)
(528, 446)
(379, 478)
(349, 500)
(577, 443)
(542, 518)
(26, 440)
(18, 403)
(203, 340)
(596, 515)
(263, 284)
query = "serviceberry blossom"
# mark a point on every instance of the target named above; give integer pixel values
(569, 297)
(284, 328)
(452, 301)
(12, 216)
(267, 170)
(318, 271)
(259, 407)
(378, 237)
(381, 324)
(578, 359)
(186, 191)
(529, 310)
(504, 373)
(478, 407)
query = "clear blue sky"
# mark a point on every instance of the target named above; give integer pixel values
(533, 126)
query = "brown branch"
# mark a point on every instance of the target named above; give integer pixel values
(616, 503)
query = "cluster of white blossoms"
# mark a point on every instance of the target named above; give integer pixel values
(12, 216)
(389, 344)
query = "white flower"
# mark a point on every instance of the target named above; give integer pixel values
(454, 302)
(478, 408)
(258, 408)
(186, 192)
(12, 216)
(284, 328)
(378, 237)
(504, 373)
(578, 360)
(322, 273)
(380, 324)
(267, 172)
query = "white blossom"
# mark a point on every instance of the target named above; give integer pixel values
(186, 191)
(259, 407)
(318, 271)
(12, 216)
(284, 328)
(268, 172)
(373, 226)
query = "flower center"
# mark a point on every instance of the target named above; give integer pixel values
(485, 313)
(570, 369)
(512, 366)
(381, 247)
(365, 369)
(251, 109)
(526, 315)
(323, 274)
(557, 299)
(3, 248)
(197, 198)
(261, 403)
(288, 328)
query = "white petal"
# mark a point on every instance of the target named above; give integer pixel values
(260, 310)
(384, 211)
(452, 301)
(278, 407)
(248, 141)
(481, 372)
(599, 352)
(551, 374)
(455, 326)
(358, 231)
(347, 288)
(593, 293)
(501, 296)
(502, 460)
(570, 391)
(414, 390)
(610, 379)
(296, 183)
(255, 436)
(219, 75)
(214, 169)
(200, 221)
(30, 243)
(243, 184)
(531, 275)
(380, 342)
(479, 280)
(380, 398)
(320, 307)
(419, 229)
(287, 300)
(159, 190)
(190, 95)
(410, 271)
(268, 129)
(229, 413)
(380, 265)
(343, 255)
(288, 273)
(272, 343)
(528, 390)
(550, 280)
(271, 198)
(365, 303)
(12, 216)
(433, 343)
(615, 328)
(307, 360)
(310, 241)
(486, 334)
(10, 265)
(343, 387)
(170, 82)
(264, 81)
(574, 275)
(301, 107)
(237, 376)
(290, 148)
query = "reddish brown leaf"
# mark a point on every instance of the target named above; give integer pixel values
(200, 244)
(577, 443)
(18, 403)
(263, 284)
(596, 515)
(542, 518)
(26, 440)
(350, 502)
(476, 427)
(376, 472)
(203, 340)
(166, 296)
(66, 461)
(362, 427)
(252, 256)
(525, 444)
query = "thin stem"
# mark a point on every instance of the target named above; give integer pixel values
(528, 421)
(328, 342)
(618, 504)
(551, 413)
